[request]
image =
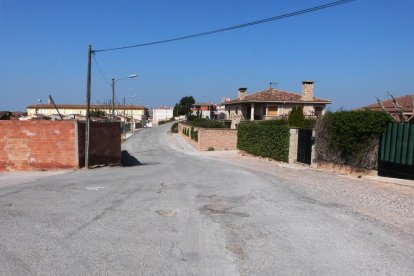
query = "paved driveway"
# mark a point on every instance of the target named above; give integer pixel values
(177, 212)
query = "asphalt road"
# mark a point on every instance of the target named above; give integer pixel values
(177, 212)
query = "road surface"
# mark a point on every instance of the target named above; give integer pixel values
(177, 212)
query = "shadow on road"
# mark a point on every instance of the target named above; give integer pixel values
(127, 160)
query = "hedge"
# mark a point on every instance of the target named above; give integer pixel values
(350, 137)
(174, 128)
(264, 139)
(306, 124)
(205, 123)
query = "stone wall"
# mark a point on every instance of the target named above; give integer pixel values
(212, 138)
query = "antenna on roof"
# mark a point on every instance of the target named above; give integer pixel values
(273, 83)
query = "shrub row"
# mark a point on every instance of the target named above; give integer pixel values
(306, 123)
(161, 122)
(350, 137)
(205, 123)
(190, 132)
(174, 128)
(267, 139)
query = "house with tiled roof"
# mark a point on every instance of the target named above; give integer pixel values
(402, 104)
(205, 110)
(273, 103)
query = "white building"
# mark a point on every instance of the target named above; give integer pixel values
(162, 114)
(135, 112)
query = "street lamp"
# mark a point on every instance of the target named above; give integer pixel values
(40, 102)
(113, 91)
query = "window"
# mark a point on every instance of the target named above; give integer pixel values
(237, 110)
(272, 110)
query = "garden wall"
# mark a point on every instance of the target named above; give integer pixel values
(211, 138)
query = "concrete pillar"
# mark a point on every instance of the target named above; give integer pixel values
(314, 156)
(293, 145)
(251, 111)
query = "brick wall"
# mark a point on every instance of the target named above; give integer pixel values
(217, 138)
(37, 145)
(48, 145)
(104, 143)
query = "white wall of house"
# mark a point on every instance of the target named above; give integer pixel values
(267, 111)
(161, 114)
(234, 111)
(134, 113)
(203, 113)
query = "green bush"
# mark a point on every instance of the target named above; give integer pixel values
(205, 123)
(296, 117)
(350, 137)
(174, 128)
(264, 139)
(279, 122)
(309, 123)
(192, 133)
(196, 136)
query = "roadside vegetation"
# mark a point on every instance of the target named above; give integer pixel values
(265, 139)
(203, 122)
(161, 122)
(350, 137)
(174, 128)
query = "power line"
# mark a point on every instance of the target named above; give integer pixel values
(278, 17)
(100, 70)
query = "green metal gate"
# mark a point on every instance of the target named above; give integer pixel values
(396, 154)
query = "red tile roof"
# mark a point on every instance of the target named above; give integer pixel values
(202, 104)
(83, 106)
(406, 102)
(274, 95)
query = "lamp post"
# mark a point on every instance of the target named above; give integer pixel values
(113, 91)
(40, 102)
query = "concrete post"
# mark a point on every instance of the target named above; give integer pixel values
(252, 112)
(293, 145)
(314, 159)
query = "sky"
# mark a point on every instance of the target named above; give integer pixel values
(354, 52)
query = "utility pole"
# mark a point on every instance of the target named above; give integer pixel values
(113, 99)
(88, 106)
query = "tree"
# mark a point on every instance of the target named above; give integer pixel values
(97, 113)
(296, 117)
(183, 108)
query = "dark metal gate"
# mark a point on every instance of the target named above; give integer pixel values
(396, 154)
(305, 146)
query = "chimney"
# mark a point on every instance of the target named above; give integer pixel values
(242, 93)
(307, 90)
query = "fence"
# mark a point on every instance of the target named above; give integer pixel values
(396, 155)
